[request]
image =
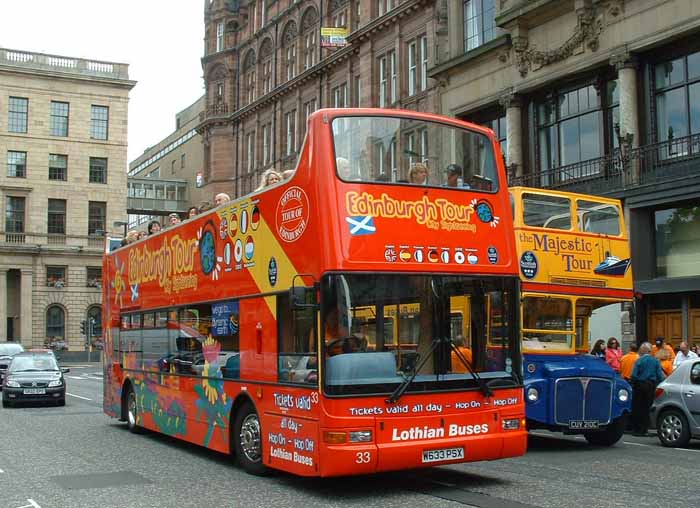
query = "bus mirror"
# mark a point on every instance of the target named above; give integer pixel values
(302, 297)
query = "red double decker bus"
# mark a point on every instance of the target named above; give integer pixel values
(359, 316)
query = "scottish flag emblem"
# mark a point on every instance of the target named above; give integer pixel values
(361, 225)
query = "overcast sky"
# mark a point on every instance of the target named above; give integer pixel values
(161, 40)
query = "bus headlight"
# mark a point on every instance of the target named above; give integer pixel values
(533, 394)
(361, 436)
(623, 395)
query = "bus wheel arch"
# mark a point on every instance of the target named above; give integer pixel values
(246, 435)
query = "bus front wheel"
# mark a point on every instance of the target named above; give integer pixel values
(248, 440)
(608, 437)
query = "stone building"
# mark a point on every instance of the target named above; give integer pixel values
(163, 179)
(63, 138)
(266, 71)
(600, 97)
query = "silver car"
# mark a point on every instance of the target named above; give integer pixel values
(676, 409)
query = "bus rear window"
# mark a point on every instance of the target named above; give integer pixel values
(600, 218)
(546, 211)
(412, 151)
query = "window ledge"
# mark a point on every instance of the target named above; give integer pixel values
(498, 42)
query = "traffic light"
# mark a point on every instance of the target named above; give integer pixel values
(83, 327)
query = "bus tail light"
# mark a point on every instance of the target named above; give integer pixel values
(331, 437)
(511, 423)
(361, 436)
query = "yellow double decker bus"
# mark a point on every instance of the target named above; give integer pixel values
(575, 271)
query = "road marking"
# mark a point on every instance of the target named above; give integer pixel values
(32, 504)
(77, 396)
(75, 377)
(1, 471)
(636, 444)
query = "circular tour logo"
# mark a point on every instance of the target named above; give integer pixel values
(528, 264)
(292, 215)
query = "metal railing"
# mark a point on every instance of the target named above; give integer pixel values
(72, 242)
(623, 169)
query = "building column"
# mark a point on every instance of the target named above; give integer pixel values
(3, 304)
(514, 150)
(626, 66)
(26, 307)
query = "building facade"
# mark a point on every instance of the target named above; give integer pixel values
(167, 177)
(600, 97)
(266, 70)
(63, 138)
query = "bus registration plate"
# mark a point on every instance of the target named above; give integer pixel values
(442, 454)
(583, 424)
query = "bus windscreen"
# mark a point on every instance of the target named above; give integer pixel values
(412, 151)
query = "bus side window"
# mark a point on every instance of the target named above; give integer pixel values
(155, 341)
(298, 338)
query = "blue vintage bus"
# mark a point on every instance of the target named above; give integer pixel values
(575, 270)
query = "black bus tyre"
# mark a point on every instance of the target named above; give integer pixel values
(132, 412)
(247, 438)
(608, 437)
(672, 429)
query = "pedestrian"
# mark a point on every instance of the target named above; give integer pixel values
(646, 375)
(173, 219)
(664, 358)
(154, 227)
(221, 198)
(627, 362)
(694, 349)
(192, 211)
(613, 354)
(599, 349)
(660, 343)
(684, 353)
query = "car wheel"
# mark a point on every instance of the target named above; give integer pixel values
(608, 437)
(248, 440)
(132, 415)
(672, 428)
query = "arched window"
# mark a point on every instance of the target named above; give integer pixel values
(309, 30)
(289, 47)
(95, 313)
(217, 83)
(55, 322)
(249, 76)
(266, 65)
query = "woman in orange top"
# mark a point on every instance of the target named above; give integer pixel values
(457, 363)
(666, 361)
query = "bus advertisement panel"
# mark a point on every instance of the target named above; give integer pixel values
(574, 261)
(337, 322)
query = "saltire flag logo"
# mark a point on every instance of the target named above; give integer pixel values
(361, 225)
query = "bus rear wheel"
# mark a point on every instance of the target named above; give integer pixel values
(248, 440)
(608, 437)
(132, 412)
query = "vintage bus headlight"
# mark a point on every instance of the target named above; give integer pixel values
(623, 395)
(533, 394)
(361, 436)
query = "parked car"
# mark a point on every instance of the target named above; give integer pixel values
(7, 351)
(34, 377)
(676, 409)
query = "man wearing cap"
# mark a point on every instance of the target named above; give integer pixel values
(455, 175)
(661, 344)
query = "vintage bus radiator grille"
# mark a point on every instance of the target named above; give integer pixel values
(570, 281)
(595, 396)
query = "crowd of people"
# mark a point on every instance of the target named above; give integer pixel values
(644, 366)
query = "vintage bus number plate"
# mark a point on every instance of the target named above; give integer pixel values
(34, 391)
(583, 424)
(443, 454)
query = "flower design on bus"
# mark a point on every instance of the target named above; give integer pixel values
(485, 213)
(118, 282)
(165, 412)
(213, 401)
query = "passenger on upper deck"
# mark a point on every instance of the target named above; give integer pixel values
(455, 175)
(173, 219)
(221, 198)
(418, 174)
(269, 177)
(154, 227)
